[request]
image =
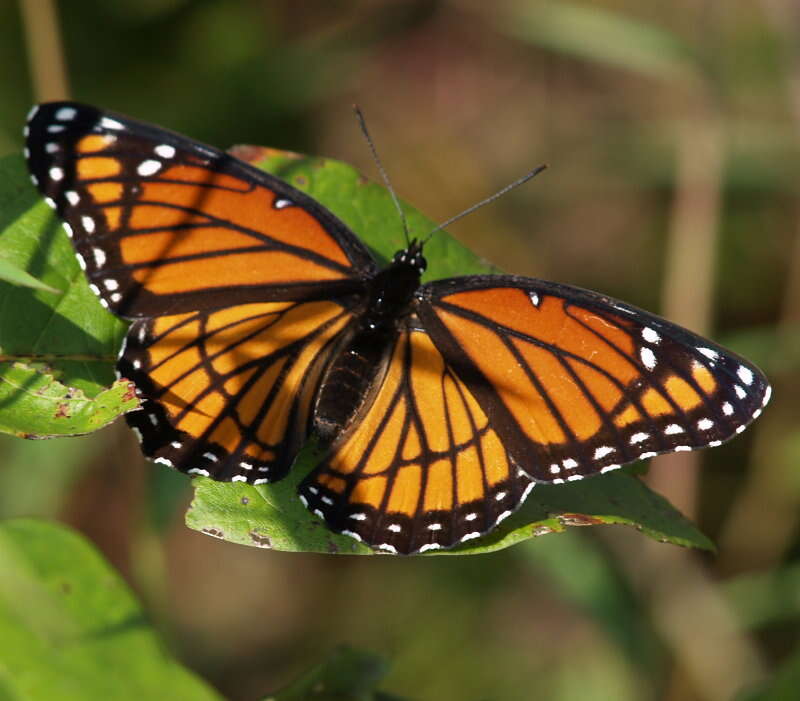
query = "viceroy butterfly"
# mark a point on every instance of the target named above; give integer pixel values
(260, 319)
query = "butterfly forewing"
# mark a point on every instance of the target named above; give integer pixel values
(576, 383)
(162, 224)
(422, 467)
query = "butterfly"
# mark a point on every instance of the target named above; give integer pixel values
(259, 319)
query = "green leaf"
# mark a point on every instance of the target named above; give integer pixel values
(592, 33)
(348, 674)
(70, 332)
(11, 273)
(33, 404)
(71, 629)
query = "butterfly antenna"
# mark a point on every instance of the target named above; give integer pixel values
(363, 124)
(489, 199)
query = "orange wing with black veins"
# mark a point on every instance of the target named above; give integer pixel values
(162, 224)
(421, 468)
(575, 383)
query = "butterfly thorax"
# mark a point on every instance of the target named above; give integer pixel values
(387, 303)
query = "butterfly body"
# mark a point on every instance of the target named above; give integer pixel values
(363, 355)
(260, 319)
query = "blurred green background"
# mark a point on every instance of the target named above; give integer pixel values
(672, 131)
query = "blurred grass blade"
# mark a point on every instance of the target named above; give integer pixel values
(16, 276)
(70, 629)
(595, 34)
(347, 674)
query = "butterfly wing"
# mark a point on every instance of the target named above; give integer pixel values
(421, 467)
(164, 225)
(575, 383)
(229, 393)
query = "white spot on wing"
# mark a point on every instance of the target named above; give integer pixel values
(740, 391)
(767, 395)
(359, 516)
(72, 197)
(32, 113)
(66, 113)
(99, 260)
(51, 147)
(570, 464)
(88, 224)
(648, 358)
(56, 173)
(110, 284)
(672, 429)
(239, 478)
(471, 517)
(534, 297)
(429, 546)
(108, 123)
(727, 409)
(650, 335)
(745, 375)
(282, 202)
(602, 451)
(211, 457)
(394, 527)
(164, 461)
(198, 471)
(639, 437)
(165, 150)
(435, 527)
(148, 167)
(609, 468)
(55, 128)
(67, 228)
(709, 353)
(705, 424)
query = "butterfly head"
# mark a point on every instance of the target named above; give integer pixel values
(412, 256)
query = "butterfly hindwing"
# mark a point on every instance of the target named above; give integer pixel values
(162, 224)
(575, 383)
(421, 468)
(229, 393)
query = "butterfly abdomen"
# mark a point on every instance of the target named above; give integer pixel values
(362, 360)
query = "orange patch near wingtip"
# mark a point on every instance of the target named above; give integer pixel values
(105, 192)
(98, 167)
(95, 142)
(682, 392)
(703, 377)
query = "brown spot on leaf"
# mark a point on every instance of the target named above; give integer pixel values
(572, 519)
(542, 530)
(62, 412)
(130, 392)
(213, 532)
(245, 501)
(260, 540)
